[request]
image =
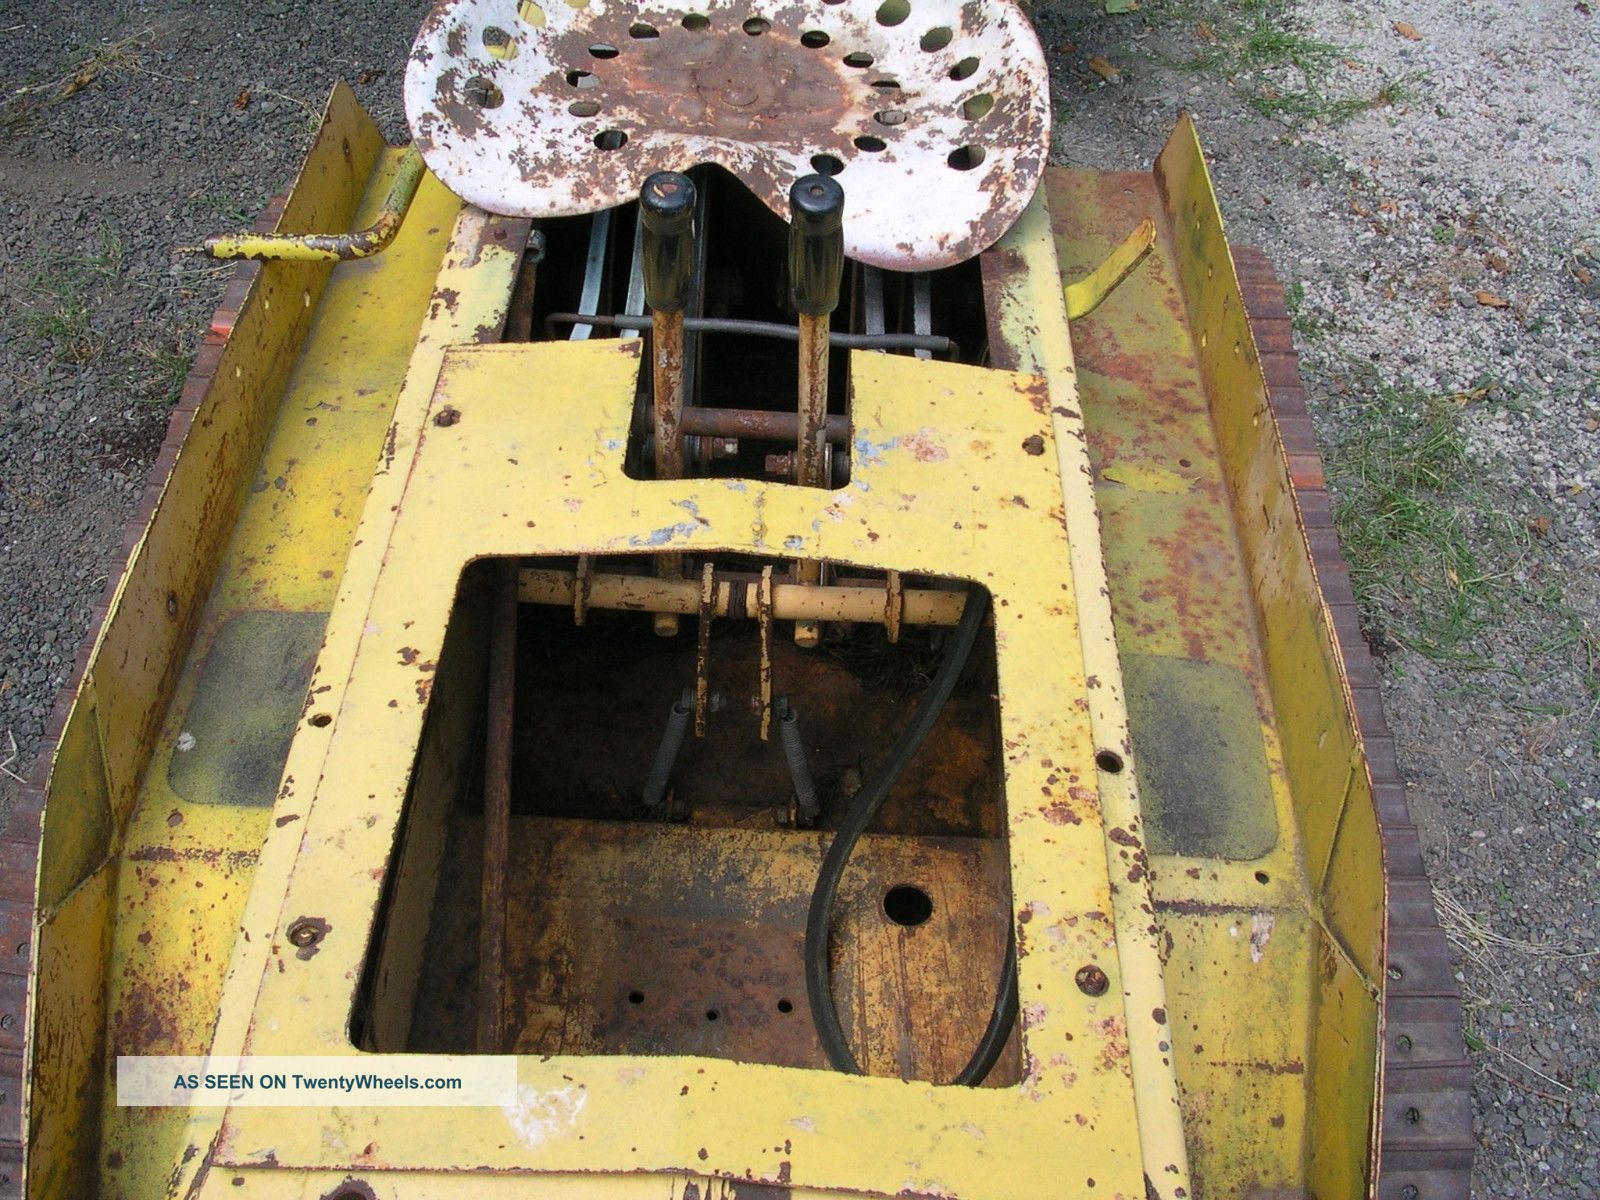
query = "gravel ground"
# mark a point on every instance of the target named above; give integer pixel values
(1424, 177)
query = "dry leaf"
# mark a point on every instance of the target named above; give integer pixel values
(1591, 425)
(1392, 207)
(1450, 574)
(1497, 262)
(1104, 69)
(1409, 32)
(370, 74)
(1540, 525)
(1205, 33)
(1490, 300)
(242, 100)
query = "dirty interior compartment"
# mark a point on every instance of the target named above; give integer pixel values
(636, 933)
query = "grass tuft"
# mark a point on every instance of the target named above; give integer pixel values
(1408, 522)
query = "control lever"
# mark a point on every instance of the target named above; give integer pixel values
(666, 214)
(816, 267)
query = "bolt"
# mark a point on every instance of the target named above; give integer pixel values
(305, 933)
(446, 416)
(1092, 981)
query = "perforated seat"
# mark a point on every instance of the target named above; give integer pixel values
(933, 113)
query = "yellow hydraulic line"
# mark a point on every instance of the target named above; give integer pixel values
(331, 247)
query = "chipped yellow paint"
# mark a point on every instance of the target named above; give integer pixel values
(919, 499)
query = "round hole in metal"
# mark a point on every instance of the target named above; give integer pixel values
(785, 1006)
(975, 108)
(584, 108)
(871, 145)
(696, 21)
(321, 720)
(1263, 877)
(964, 69)
(712, 1014)
(892, 12)
(907, 905)
(610, 139)
(1108, 761)
(826, 164)
(643, 29)
(531, 13)
(481, 90)
(859, 59)
(603, 50)
(886, 85)
(814, 39)
(937, 38)
(756, 26)
(581, 79)
(635, 997)
(499, 44)
(890, 116)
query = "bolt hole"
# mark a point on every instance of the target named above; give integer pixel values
(696, 21)
(1109, 761)
(1403, 1044)
(584, 108)
(890, 116)
(499, 44)
(712, 1014)
(602, 50)
(321, 720)
(482, 91)
(936, 38)
(1263, 877)
(172, 604)
(785, 1006)
(582, 79)
(1395, 972)
(531, 13)
(978, 107)
(892, 12)
(871, 145)
(643, 29)
(1409, 1192)
(635, 997)
(859, 59)
(814, 39)
(826, 164)
(1413, 1116)
(907, 905)
(1184, 462)
(756, 26)
(610, 139)
(964, 69)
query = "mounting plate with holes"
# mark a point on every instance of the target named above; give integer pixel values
(546, 108)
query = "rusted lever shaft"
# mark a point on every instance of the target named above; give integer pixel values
(666, 211)
(816, 266)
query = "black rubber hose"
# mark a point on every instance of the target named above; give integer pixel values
(858, 816)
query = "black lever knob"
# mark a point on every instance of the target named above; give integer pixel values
(816, 244)
(666, 206)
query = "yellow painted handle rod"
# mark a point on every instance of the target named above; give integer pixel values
(330, 247)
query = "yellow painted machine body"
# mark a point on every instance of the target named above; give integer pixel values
(263, 738)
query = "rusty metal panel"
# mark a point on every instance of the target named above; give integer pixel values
(935, 115)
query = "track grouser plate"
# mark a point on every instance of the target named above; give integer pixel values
(934, 114)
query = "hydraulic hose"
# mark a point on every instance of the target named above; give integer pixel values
(858, 816)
